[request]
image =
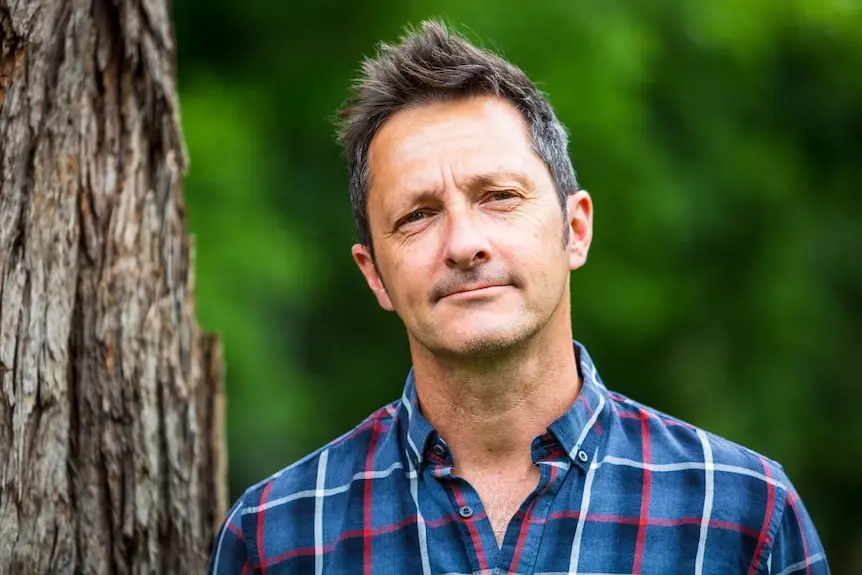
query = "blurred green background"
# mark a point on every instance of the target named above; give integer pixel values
(722, 144)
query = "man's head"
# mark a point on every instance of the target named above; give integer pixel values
(461, 179)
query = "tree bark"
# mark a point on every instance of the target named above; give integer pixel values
(111, 407)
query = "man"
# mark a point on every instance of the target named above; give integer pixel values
(506, 452)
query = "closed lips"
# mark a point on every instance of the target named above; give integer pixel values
(473, 288)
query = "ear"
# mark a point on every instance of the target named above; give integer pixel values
(580, 215)
(363, 259)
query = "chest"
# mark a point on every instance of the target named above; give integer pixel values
(565, 522)
(502, 496)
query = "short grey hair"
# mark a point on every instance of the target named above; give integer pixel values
(432, 64)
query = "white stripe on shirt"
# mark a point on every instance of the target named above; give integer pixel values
(687, 465)
(216, 567)
(324, 492)
(803, 564)
(318, 512)
(582, 518)
(709, 490)
(420, 522)
(591, 421)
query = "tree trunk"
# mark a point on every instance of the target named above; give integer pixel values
(111, 451)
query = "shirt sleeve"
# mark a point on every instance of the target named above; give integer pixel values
(797, 547)
(229, 552)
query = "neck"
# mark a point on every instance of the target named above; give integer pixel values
(489, 411)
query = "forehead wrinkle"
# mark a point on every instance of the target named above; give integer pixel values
(494, 178)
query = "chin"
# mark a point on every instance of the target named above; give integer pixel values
(479, 343)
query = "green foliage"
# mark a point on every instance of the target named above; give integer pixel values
(721, 144)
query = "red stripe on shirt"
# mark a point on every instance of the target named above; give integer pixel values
(261, 523)
(453, 518)
(663, 420)
(767, 519)
(236, 530)
(391, 528)
(301, 552)
(590, 411)
(643, 522)
(656, 521)
(525, 525)
(367, 501)
(306, 551)
(471, 525)
(369, 421)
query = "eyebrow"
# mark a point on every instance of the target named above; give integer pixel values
(489, 179)
(472, 182)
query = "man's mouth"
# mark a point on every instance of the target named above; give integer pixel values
(474, 290)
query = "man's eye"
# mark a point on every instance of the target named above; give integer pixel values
(414, 217)
(501, 195)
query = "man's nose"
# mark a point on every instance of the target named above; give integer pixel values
(467, 242)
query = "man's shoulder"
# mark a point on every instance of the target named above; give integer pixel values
(333, 466)
(737, 493)
(677, 444)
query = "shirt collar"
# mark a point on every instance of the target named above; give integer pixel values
(416, 431)
(579, 430)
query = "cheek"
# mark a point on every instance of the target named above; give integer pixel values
(539, 221)
(541, 231)
(408, 276)
(537, 244)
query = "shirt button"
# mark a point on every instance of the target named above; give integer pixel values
(466, 511)
(582, 455)
(438, 450)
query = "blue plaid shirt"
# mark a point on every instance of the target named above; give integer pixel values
(623, 489)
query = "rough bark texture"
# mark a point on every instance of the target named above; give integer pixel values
(111, 454)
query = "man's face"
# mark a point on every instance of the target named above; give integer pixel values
(467, 228)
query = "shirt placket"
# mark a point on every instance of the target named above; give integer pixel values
(523, 536)
(464, 506)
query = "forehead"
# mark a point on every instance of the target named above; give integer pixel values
(415, 148)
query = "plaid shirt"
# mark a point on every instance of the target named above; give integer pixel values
(623, 489)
